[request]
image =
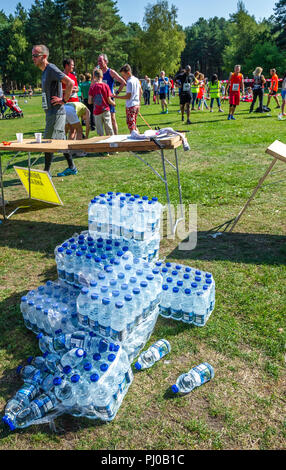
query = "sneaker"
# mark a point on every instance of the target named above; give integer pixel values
(232, 117)
(166, 112)
(182, 118)
(229, 117)
(278, 107)
(211, 110)
(189, 122)
(221, 111)
(68, 171)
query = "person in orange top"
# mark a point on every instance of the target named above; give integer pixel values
(235, 84)
(273, 88)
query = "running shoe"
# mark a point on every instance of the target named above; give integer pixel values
(232, 117)
(68, 171)
(189, 122)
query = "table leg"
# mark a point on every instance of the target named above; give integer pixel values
(167, 191)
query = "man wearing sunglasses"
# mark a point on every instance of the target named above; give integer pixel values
(53, 101)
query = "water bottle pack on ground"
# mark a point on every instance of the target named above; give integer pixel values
(188, 293)
(94, 320)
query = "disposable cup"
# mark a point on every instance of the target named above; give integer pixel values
(38, 137)
(19, 136)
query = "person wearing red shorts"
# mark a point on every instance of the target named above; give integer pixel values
(133, 97)
(235, 85)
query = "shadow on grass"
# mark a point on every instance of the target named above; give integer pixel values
(36, 236)
(250, 248)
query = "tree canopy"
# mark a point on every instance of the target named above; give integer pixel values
(82, 29)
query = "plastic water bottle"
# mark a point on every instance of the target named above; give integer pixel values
(73, 357)
(165, 304)
(175, 308)
(24, 310)
(194, 378)
(69, 268)
(200, 308)
(104, 317)
(37, 409)
(153, 354)
(60, 261)
(187, 306)
(118, 324)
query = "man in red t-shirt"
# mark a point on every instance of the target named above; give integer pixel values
(235, 85)
(273, 88)
(101, 97)
(68, 65)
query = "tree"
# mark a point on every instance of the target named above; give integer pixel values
(279, 26)
(163, 39)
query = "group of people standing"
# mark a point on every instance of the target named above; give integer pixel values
(65, 110)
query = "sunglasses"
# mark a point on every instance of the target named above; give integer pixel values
(37, 55)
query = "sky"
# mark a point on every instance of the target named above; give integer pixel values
(189, 11)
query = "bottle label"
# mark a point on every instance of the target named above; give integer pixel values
(165, 311)
(118, 335)
(199, 319)
(104, 330)
(161, 347)
(69, 277)
(106, 411)
(29, 392)
(61, 273)
(187, 317)
(139, 236)
(176, 314)
(44, 405)
(204, 372)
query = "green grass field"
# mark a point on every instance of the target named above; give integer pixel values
(244, 339)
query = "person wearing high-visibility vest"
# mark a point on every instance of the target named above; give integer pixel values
(273, 88)
(195, 89)
(214, 88)
(235, 84)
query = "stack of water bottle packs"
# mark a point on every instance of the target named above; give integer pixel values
(93, 321)
(134, 219)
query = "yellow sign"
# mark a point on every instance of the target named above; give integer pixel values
(41, 186)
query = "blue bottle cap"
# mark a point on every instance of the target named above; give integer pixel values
(180, 283)
(19, 368)
(143, 284)
(24, 298)
(136, 290)
(198, 273)
(187, 291)
(60, 249)
(198, 278)
(150, 277)
(39, 336)
(133, 280)
(84, 290)
(103, 345)
(69, 252)
(137, 366)
(57, 381)
(176, 289)
(111, 357)
(168, 265)
(94, 296)
(105, 300)
(186, 276)
(165, 287)
(79, 352)
(104, 367)
(119, 304)
(194, 285)
(67, 369)
(125, 248)
(94, 377)
(169, 279)
(128, 297)
(96, 357)
(75, 378)
(175, 388)
(87, 366)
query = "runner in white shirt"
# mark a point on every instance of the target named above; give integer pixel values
(132, 97)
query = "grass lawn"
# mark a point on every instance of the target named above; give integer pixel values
(244, 339)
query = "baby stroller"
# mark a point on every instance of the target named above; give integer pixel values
(15, 112)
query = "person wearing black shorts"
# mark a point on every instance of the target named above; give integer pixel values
(186, 78)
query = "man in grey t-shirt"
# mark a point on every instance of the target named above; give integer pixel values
(53, 103)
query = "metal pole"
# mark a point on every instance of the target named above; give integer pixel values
(2, 189)
(29, 170)
(167, 190)
(179, 183)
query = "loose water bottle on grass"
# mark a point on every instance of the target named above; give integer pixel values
(153, 354)
(194, 378)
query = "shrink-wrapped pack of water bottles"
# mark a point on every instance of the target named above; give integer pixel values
(93, 321)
